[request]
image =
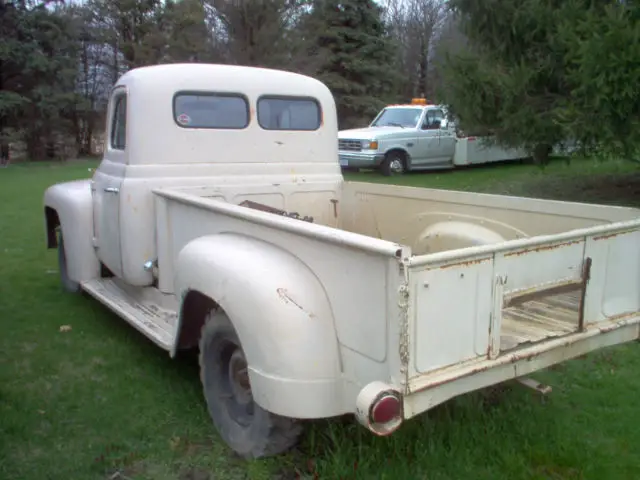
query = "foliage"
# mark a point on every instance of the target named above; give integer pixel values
(357, 51)
(602, 68)
(37, 75)
(533, 72)
(417, 27)
(186, 32)
(538, 73)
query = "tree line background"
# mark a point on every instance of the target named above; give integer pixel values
(533, 73)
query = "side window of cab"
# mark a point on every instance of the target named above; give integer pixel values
(433, 119)
(118, 137)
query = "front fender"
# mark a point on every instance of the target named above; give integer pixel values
(72, 204)
(282, 315)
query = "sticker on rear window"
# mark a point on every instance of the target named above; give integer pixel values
(184, 119)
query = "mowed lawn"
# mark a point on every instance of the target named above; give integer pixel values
(96, 400)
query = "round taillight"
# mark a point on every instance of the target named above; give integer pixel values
(386, 409)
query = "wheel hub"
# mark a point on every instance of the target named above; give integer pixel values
(396, 166)
(239, 377)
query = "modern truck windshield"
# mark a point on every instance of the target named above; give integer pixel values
(398, 117)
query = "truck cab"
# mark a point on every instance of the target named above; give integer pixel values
(279, 134)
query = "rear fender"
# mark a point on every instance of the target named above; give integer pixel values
(450, 235)
(70, 206)
(281, 313)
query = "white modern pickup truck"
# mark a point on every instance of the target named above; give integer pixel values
(219, 219)
(417, 136)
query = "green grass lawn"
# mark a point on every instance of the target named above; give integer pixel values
(99, 401)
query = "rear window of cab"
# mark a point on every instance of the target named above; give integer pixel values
(289, 113)
(211, 110)
(208, 110)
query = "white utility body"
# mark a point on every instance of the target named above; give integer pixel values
(219, 218)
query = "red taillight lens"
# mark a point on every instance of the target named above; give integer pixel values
(386, 409)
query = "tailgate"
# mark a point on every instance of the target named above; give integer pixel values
(478, 307)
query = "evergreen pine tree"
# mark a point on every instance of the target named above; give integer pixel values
(356, 53)
(538, 73)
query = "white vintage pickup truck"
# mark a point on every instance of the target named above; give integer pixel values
(219, 219)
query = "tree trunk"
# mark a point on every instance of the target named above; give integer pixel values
(4, 153)
(542, 153)
(88, 139)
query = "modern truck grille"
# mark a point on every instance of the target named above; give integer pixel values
(349, 145)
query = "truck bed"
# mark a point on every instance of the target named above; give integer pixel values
(434, 286)
(431, 221)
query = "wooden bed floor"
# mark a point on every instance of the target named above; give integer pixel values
(536, 320)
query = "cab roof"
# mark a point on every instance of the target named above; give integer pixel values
(154, 136)
(409, 105)
(153, 80)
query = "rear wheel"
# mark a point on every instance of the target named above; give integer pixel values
(68, 284)
(393, 164)
(248, 429)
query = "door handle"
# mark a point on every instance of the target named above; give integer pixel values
(112, 190)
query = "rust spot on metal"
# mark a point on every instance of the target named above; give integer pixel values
(605, 237)
(542, 248)
(284, 295)
(449, 380)
(465, 264)
(335, 207)
(612, 235)
(536, 350)
(621, 317)
(586, 275)
(266, 208)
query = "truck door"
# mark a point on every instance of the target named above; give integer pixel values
(427, 143)
(433, 151)
(447, 139)
(106, 185)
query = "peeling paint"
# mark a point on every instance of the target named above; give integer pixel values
(612, 235)
(466, 264)
(542, 248)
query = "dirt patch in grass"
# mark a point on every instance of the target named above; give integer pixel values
(611, 189)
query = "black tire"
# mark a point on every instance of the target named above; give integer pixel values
(248, 429)
(393, 164)
(68, 284)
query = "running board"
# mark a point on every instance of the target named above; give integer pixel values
(154, 322)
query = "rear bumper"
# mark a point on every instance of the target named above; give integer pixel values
(427, 391)
(360, 159)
